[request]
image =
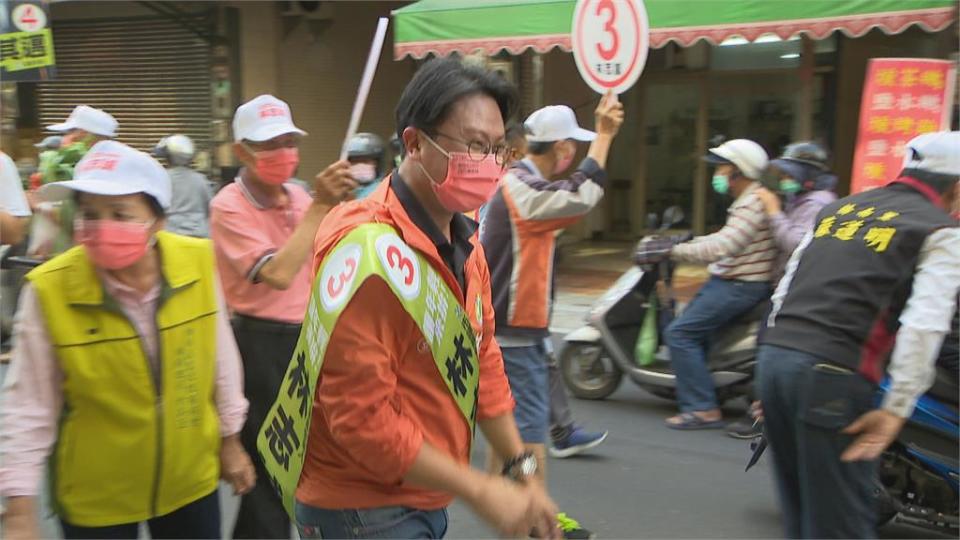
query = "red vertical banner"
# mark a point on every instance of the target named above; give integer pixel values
(902, 98)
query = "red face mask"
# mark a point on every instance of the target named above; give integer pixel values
(276, 166)
(468, 184)
(113, 245)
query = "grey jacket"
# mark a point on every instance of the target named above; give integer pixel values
(189, 212)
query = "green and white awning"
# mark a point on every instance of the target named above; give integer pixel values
(443, 27)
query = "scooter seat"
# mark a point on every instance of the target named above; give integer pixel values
(945, 387)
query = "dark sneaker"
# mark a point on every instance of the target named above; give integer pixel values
(571, 528)
(745, 428)
(576, 441)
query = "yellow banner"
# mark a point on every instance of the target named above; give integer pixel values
(26, 50)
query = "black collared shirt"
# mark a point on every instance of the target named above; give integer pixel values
(455, 251)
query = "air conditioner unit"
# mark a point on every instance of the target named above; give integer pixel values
(308, 9)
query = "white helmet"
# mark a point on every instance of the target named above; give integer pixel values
(745, 154)
(937, 153)
(176, 149)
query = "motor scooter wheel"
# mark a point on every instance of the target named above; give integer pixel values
(588, 372)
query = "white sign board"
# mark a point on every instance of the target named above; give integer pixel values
(29, 18)
(610, 43)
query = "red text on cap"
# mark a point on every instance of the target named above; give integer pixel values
(103, 161)
(269, 110)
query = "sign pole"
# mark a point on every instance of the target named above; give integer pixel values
(368, 72)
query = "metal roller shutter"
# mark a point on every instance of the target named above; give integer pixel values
(152, 74)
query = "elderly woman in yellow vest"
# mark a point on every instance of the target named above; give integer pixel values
(125, 371)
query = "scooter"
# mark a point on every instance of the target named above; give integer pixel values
(920, 472)
(917, 479)
(596, 356)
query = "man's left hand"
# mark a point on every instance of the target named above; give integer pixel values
(875, 431)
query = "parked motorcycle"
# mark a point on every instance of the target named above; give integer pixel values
(596, 356)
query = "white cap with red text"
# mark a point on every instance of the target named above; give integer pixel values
(263, 118)
(90, 120)
(555, 123)
(113, 168)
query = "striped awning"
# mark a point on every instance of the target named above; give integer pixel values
(443, 27)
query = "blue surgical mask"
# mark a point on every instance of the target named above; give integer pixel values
(721, 183)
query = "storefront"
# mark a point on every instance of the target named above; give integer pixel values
(771, 71)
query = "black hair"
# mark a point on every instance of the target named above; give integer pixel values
(155, 206)
(540, 148)
(440, 83)
(515, 130)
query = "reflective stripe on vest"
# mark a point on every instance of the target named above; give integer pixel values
(131, 448)
(369, 250)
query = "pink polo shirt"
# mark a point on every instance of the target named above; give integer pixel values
(246, 234)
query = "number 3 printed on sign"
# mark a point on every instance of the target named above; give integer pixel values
(401, 265)
(396, 260)
(339, 273)
(611, 9)
(344, 277)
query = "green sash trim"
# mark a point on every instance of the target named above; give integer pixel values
(368, 250)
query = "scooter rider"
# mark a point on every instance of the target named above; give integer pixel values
(741, 257)
(880, 265)
(366, 153)
(189, 213)
(804, 186)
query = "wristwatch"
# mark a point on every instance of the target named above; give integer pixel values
(521, 467)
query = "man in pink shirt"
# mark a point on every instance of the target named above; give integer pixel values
(263, 228)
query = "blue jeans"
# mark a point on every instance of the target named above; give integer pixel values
(526, 369)
(718, 302)
(806, 405)
(385, 522)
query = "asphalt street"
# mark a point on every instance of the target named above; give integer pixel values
(645, 481)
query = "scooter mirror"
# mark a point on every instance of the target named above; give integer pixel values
(672, 216)
(652, 220)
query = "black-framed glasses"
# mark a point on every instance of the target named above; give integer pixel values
(502, 153)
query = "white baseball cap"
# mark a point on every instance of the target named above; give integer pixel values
(747, 155)
(555, 123)
(937, 152)
(88, 119)
(113, 168)
(263, 118)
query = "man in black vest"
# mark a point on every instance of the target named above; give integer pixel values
(880, 265)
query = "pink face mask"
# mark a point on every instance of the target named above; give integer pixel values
(113, 245)
(468, 184)
(563, 164)
(276, 166)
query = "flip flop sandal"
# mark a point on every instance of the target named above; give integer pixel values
(690, 422)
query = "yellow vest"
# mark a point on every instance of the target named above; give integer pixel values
(131, 448)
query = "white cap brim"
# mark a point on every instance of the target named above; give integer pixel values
(579, 134)
(64, 126)
(59, 191)
(265, 133)
(584, 135)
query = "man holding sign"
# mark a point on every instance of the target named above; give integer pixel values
(262, 228)
(397, 363)
(538, 197)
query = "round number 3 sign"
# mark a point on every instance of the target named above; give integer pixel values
(610, 42)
